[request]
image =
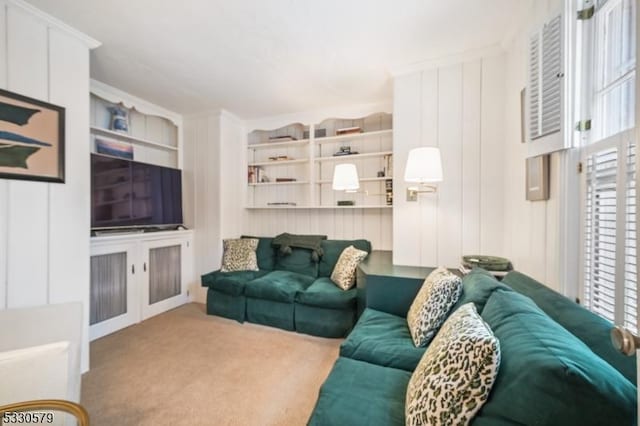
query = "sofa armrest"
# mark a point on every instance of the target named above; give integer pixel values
(392, 295)
(208, 279)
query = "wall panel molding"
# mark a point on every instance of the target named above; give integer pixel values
(457, 106)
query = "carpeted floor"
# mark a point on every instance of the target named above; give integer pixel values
(184, 367)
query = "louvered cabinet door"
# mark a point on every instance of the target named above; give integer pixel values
(114, 300)
(165, 272)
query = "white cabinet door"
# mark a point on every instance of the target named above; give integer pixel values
(165, 271)
(114, 293)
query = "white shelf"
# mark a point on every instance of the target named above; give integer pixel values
(298, 182)
(278, 162)
(354, 156)
(317, 207)
(352, 136)
(375, 179)
(266, 145)
(131, 139)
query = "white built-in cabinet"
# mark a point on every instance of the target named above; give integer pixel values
(297, 173)
(137, 276)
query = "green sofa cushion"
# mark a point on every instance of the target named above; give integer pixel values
(299, 260)
(383, 339)
(548, 376)
(477, 287)
(265, 253)
(325, 294)
(231, 283)
(592, 329)
(358, 393)
(332, 250)
(279, 286)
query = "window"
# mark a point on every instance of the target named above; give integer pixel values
(609, 284)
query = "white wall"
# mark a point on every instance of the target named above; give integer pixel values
(44, 228)
(531, 229)
(214, 143)
(459, 107)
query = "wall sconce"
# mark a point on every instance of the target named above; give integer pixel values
(345, 178)
(424, 167)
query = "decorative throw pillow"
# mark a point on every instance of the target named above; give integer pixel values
(240, 255)
(344, 273)
(439, 292)
(456, 373)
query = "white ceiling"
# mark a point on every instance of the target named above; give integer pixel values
(258, 58)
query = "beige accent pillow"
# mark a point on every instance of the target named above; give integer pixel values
(344, 273)
(456, 373)
(239, 255)
(439, 292)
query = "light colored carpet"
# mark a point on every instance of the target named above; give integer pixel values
(184, 367)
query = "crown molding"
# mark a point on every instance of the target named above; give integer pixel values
(90, 42)
(443, 61)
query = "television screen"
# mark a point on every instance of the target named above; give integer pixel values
(130, 194)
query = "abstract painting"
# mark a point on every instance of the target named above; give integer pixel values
(31, 139)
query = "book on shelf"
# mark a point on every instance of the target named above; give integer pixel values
(256, 175)
(281, 203)
(282, 138)
(348, 130)
(388, 165)
(280, 158)
(286, 179)
(342, 153)
(388, 186)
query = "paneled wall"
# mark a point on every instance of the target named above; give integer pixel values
(459, 108)
(348, 224)
(531, 229)
(44, 228)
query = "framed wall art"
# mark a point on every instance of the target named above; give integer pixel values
(538, 178)
(32, 139)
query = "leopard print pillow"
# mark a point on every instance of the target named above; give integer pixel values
(344, 273)
(456, 373)
(439, 292)
(239, 255)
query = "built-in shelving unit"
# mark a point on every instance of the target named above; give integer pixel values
(309, 157)
(353, 157)
(131, 139)
(155, 134)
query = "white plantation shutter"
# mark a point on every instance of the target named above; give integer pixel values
(546, 85)
(609, 154)
(609, 252)
(630, 268)
(600, 233)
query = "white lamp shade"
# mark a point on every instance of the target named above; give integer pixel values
(345, 178)
(423, 165)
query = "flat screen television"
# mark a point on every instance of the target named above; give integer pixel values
(130, 194)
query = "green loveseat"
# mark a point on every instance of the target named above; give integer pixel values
(556, 367)
(290, 291)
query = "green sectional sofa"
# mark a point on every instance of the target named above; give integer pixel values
(556, 368)
(291, 291)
